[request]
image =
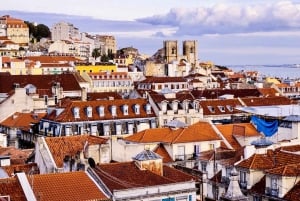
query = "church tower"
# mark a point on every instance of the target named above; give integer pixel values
(190, 51)
(171, 50)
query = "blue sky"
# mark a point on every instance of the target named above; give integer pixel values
(228, 31)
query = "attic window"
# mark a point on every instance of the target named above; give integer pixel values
(76, 112)
(125, 109)
(229, 107)
(89, 110)
(221, 108)
(101, 111)
(113, 110)
(148, 108)
(211, 109)
(137, 109)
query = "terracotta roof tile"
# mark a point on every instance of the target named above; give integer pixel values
(219, 107)
(161, 150)
(26, 168)
(215, 93)
(201, 131)
(258, 162)
(70, 145)
(22, 120)
(293, 194)
(127, 175)
(17, 156)
(267, 92)
(68, 115)
(67, 81)
(103, 95)
(264, 101)
(163, 79)
(66, 186)
(12, 187)
(287, 170)
(229, 131)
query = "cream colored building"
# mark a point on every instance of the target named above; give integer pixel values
(108, 43)
(64, 31)
(15, 30)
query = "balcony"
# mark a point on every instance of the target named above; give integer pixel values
(272, 191)
(184, 157)
(243, 184)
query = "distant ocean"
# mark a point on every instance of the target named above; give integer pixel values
(290, 71)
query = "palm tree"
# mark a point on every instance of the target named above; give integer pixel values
(96, 53)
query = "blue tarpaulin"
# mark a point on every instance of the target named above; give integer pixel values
(268, 128)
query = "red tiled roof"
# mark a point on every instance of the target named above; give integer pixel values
(103, 95)
(258, 162)
(264, 101)
(41, 82)
(229, 131)
(287, 170)
(267, 92)
(215, 93)
(22, 120)
(60, 147)
(201, 131)
(161, 150)
(66, 186)
(17, 156)
(67, 114)
(163, 79)
(219, 107)
(127, 175)
(52, 59)
(26, 168)
(12, 188)
(293, 194)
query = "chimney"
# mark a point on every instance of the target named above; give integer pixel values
(83, 94)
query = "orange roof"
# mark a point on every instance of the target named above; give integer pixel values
(22, 120)
(288, 170)
(229, 131)
(268, 91)
(12, 188)
(257, 161)
(264, 101)
(66, 186)
(70, 145)
(161, 150)
(17, 156)
(219, 107)
(26, 168)
(127, 175)
(201, 131)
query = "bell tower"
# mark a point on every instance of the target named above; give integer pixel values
(171, 50)
(190, 51)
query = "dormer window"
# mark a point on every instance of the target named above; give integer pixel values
(113, 110)
(125, 109)
(101, 111)
(211, 109)
(229, 107)
(137, 109)
(148, 108)
(221, 108)
(89, 112)
(76, 112)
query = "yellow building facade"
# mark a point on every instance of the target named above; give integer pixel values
(105, 67)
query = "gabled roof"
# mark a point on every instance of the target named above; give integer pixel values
(218, 154)
(267, 92)
(117, 176)
(198, 132)
(264, 101)
(293, 194)
(291, 170)
(22, 120)
(66, 186)
(42, 82)
(215, 93)
(161, 150)
(219, 107)
(12, 188)
(257, 162)
(30, 168)
(146, 155)
(67, 114)
(17, 156)
(70, 145)
(151, 80)
(229, 131)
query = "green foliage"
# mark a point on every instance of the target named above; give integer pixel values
(96, 53)
(39, 31)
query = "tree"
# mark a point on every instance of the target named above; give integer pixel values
(96, 53)
(39, 31)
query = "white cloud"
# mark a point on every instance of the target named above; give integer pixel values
(224, 18)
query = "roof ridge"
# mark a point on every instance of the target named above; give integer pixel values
(179, 135)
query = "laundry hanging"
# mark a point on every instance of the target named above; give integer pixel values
(268, 128)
